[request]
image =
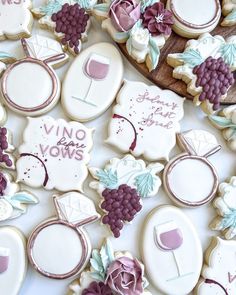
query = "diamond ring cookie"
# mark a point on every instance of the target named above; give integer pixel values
(169, 239)
(229, 11)
(50, 147)
(145, 121)
(34, 98)
(85, 93)
(59, 247)
(122, 185)
(193, 18)
(13, 260)
(181, 174)
(206, 66)
(111, 273)
(218, 274)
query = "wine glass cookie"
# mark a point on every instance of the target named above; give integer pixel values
(59, 247)
(34, 98)
(85, 92)
(122, 185)
(169, 239)
(229, 11)
(207, 67)
(68, 19)
(50, 148)
(181, 175)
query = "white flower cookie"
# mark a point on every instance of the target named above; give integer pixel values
(219, 270)
(226, 208)
(145, 121)
(122, 185)
(229, 11)
(54, 154)
(16, 19)
(206, 66)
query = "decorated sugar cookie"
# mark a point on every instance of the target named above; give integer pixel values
(34, 98)
(145, 120)
(143, 25)
(169, 239)
(181, 175)
(226, 208)
(13, 260)
(111, 273)
(68, 19)
(193, 18)
(229, 11)
(226, 121)
(7, 160)
(85, 92)
(206, 66)
(54, 154)
(13, 200)
(122, 185)
(219, 270)
(16, 19)
(59, 247)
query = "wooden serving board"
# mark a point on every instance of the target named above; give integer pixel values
(162, 75)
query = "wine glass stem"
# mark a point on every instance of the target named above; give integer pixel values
(177, 264)
(87, 93)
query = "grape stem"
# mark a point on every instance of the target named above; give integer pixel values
(209, 281)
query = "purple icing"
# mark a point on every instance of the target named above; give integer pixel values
(172, 239)
(4, 262)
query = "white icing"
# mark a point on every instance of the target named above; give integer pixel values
(161, 265)
(155, 114)
(84, 99)
(11, 280)
(57, 249)
(46, 138)
(6, 210)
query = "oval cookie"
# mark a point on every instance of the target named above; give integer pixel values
(169, 243)
(92, 82)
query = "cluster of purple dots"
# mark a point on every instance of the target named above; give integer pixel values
(3, 184)
(72, 21)
(215, 77)
(121, 205)
(4, 158)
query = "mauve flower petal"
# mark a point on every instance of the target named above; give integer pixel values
(126, 22)
(136, 13)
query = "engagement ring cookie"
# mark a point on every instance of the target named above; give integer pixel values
(229, 11)
(34, 98)
(111, 273)
(85, 93)
(143, 25)
(68, 19)
(181, 175)
(59, 247)
(207, 67)
(16, 19)
(122, 185)
(13, 260)
(219, 270)
(54, 154)
(169, 239)
(145, 121)
(225, 205)
(193, 18)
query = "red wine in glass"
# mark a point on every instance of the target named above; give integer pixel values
(96, 68)
(4, 259)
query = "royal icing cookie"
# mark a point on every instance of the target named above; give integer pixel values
(193, 18)
(225, 205)
(7, 160)
(68, 19)
(206, 66)
(143, 25)
(34, 98)
(85, 92)
(111, 273)
(13, 200)
(180, 176)
(13, 260)
(219, 271)
(59, 247)
(50, 147)
(169, 239)
(16, 19)
(142, 113)
(229, 11)
(122, 185)
(226, 121)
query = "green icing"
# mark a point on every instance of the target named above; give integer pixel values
(229, 220)
(129, 46)
(4, 55)
(108, 178)
(145, 184)
(222, 122)
(191, 57)
(51, 7)
(146, 3)
(228, 53)
(103, 7)
(84, 3)
(154, 53)
(231, 16)
(121, 36)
